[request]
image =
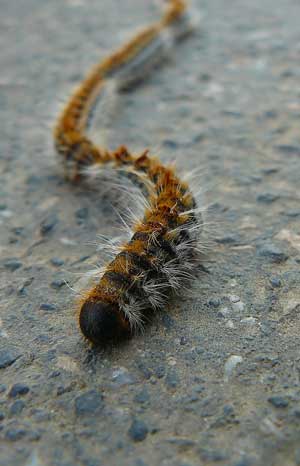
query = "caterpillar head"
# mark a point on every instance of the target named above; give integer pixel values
(102, 322)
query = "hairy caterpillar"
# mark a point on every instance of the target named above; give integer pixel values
(161, 254)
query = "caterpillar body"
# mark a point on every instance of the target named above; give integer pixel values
(160, 257)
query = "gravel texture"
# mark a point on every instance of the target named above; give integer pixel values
(215, 379)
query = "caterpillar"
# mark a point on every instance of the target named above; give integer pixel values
(161, 254)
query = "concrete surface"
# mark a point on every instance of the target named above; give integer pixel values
(215, 379)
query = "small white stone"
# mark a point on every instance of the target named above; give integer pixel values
(224, 312)
(67, 363)
(172, 361)
(239, 307)
(229, 324)
(67, 241)
(249, 321)
(6, 213)
(230, 365)
(234, 299)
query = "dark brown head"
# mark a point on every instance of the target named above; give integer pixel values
(102, 322)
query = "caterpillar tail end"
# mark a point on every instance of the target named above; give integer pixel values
(101, 322)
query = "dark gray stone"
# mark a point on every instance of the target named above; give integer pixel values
(138, 431)
(12, 264)
(272, 253)
(214, 302)
(48, 224)
(288, 149)
(183, 341)
(278, 401)
(90, 403)
(8, 357)
(142, 397)
(267, 198)
(16, 408)
(160, 371)
(172, 379)
(57, 262)
(82, 213)
(18, 389)
(14, 434)
(213, 456)
(58, 283)
(47, 307)
(231, 238)
(275, 282)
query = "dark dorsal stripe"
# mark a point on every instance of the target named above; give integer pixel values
(139, 263)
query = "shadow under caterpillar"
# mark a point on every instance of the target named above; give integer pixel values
(161, 255)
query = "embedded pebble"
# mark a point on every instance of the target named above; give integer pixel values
(228, 239)
(278, 401)
(230, 365)
(291, 307)
(214, 302)
(15, 434)
(249, 321)
(138, 431)
(160, 371)
(48, 224)
(229, 324)
(18, 389)
(16, 408)
(122, 377)
(2, 387)
(47, 307)
(89, 404)
(57, 284)
(57, 262)
(183, 341)
(234, 299)
(268, 426)
(12, 264)
(8, 357)
(272, 253)
(82, 213)
(142, 397)
(289, 149)
(172, 379)
(267, 198)
(224, 312)
(275, 282)
(239, 306)
(22, 290)
(182, 444)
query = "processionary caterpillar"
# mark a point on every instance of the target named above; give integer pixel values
(160, 257)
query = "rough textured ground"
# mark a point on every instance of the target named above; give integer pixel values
(215, 380)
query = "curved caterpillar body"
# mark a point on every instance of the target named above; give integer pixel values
(160, 256)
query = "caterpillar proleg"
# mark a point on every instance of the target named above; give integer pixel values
(161, 254)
